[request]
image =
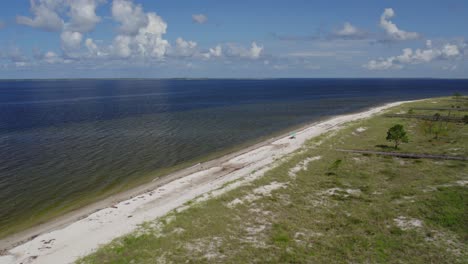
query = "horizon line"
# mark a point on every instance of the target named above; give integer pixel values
(221, 78)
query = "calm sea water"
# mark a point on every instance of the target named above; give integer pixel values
(64, 140)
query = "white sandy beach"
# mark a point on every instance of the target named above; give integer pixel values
(68, 242)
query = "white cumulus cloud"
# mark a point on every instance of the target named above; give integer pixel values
(185, 48)
(391, 29)
(13, 54)
(49, 15)
(139, 36)
(418, 56)
(46, 15)
(130, 16)
(92, 47)
(83, 15)
(451, 50)
(199, 18)
(254, 52)
(71, 41)
(121, 46)
(215, 52)
(149, 39)
(141, 33)
(350, 32)
(52, 58)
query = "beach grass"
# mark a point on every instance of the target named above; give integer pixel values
(337, 208)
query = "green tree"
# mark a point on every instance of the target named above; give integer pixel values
(397, 134)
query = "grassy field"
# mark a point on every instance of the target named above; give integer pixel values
(323, 206)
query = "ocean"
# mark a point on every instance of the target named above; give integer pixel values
(65, 143)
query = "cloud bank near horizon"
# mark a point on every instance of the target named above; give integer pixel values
(140, 37)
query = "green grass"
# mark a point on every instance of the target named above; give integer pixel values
(308, 223)
(449, 209)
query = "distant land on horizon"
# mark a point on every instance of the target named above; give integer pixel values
(228, 78)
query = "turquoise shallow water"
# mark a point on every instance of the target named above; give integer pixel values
(64, 140)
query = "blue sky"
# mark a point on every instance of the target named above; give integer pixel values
(251, 39)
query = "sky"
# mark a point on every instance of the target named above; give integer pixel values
(233, 39)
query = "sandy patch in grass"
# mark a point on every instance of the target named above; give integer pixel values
(361, 129)
(178, 230)
(405, 223)
(302, 166)
(209, 247)
(306, 237)
(462, 183)
(360, 159)
(341, 192)
(399, 161)
(358, 131)
(267, 189)
(258, 193)
(153, 228)
(255, 235)
(235, 202)
(255, 229)
(448, 241)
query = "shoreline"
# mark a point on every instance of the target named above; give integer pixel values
(80, 232)
(15, 239)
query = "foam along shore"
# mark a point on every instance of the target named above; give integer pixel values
(76, 239)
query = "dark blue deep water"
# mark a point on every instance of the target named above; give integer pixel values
(64, 140)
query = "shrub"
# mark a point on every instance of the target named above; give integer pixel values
(397, 134)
